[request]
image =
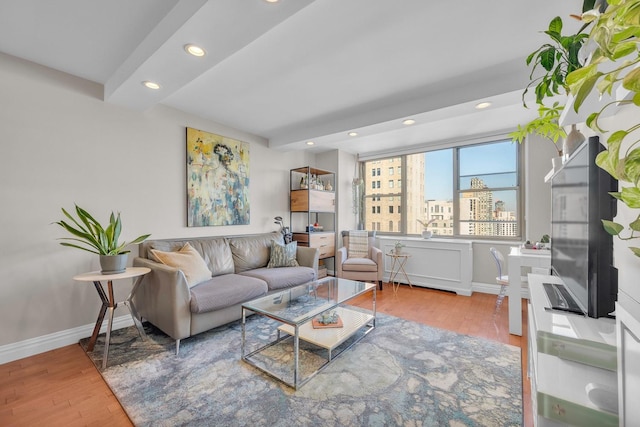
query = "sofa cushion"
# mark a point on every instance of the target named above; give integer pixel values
(279, 278)
(359, 264)
(214, 250)
(283, 255)
(251, 252)
(187, 260)
(225, 291)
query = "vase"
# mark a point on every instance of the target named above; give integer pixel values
(572, 141)
(398, 250)
(113, 264)
(556, 162)
(427, 234)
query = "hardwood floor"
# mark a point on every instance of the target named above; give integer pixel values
(62, 387)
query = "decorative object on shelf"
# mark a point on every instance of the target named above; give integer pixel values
(217, 180)
(328, 319)
(572, 141)
(398, 245)
(286, 232)
(618, 43)
(98, 239)
(426, 233)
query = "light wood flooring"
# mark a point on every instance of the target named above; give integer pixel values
(62, 387)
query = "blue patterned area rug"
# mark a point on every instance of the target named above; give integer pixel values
(402, 373)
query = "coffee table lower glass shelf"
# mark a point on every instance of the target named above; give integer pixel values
(287, 346)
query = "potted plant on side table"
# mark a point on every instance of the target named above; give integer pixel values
(92, 237)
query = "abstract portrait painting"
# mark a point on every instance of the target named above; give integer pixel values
(217, 180)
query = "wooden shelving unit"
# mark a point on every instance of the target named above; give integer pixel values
(313, 210)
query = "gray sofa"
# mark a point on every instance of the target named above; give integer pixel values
(239, 274)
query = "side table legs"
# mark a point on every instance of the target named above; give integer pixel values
(109, 304)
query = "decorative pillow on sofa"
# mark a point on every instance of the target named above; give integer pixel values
(189, 261)
(283, 255)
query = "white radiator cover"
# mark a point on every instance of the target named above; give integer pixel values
(434, 263)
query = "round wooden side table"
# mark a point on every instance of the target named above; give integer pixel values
(109, 303)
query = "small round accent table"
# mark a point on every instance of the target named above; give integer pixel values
(108, 302)
(397, 266)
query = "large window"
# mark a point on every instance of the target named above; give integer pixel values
(467, 191)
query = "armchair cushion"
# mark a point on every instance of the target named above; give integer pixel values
(187, 260)
(358, 244)
(359, 264)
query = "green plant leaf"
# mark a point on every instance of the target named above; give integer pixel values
(585, 90)
(636, 99)
(548, 58)
(608, 161)
(635, 225)
(632, 166)
(555, 26)
(631, 197)
(635, 250)
(616, 195)
(611, 227)
(632, 80)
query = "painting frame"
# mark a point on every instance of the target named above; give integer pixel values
(218, 180)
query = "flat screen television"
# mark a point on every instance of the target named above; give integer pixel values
(581, 250)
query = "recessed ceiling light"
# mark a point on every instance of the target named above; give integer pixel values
(482, 105)
(195, 50)
(309, 142)
(151, 85)
(408, 122)
(353, 133)
(271, 1)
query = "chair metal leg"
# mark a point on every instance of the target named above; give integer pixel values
(177, 347)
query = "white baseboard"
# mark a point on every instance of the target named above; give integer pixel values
(33, 346)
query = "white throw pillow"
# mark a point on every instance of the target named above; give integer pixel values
(187, 260)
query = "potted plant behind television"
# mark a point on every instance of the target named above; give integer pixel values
(615, 62)
(92, 237)
(557, 58)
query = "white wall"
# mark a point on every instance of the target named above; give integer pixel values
(60, 144)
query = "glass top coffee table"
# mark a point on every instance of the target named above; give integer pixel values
(300, 330)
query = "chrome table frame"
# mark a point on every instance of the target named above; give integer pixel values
(296, 325)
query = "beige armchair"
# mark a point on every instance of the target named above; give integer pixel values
(369, 269)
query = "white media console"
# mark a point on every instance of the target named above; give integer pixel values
(572, 364)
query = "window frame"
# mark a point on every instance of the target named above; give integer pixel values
(399, 191)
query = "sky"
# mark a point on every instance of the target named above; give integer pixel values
(474, 160)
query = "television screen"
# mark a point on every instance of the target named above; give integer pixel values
(581, 251)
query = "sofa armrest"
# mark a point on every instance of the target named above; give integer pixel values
(308, 257)
(163, 298)
(376, 255)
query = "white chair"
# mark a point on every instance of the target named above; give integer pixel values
(501, 279)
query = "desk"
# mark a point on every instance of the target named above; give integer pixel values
(108, 302)
(517, 260)
(397, 266)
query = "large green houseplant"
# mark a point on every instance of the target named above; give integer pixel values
(614, 62)
(555, 59)
(91, 236)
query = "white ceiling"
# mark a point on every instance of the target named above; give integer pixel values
(301, 70)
